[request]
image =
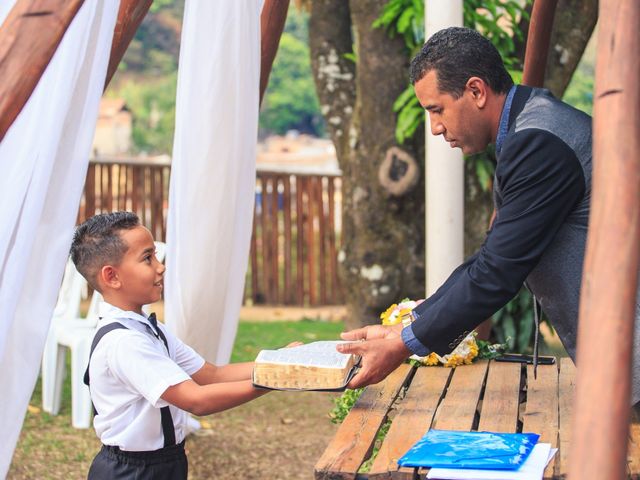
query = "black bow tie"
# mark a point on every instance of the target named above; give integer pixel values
(153, 321)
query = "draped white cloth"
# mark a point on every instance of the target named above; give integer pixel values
(43, 163)
(213, 173)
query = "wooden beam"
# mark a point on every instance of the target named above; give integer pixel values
(29, 37)
(130, 16)
(535, 58)
(610, 279)
(272, 19)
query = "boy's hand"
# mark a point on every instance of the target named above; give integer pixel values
(294, 344)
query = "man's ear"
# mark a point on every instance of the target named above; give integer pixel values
(478, 90)
(108, 276)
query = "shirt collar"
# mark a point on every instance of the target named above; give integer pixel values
(503, 127)
(106, 310)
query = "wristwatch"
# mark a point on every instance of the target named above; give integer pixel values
(407, 319)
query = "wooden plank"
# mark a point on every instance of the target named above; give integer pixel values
(565, 419)
(501, 400)
(275, 274)
(354, 439)
(633, 452)
(458, 409)
(29, 36)
(333, 257)
(264, 241)
(90, 192)
(254, 255)
(311, 240)
(286, 212)
(541, 411)
(322, 240)
(299, 241)
(109, 196)
(414, 417)
(130, 16)
(272, 20)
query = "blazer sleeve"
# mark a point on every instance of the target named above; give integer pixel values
(540, 181)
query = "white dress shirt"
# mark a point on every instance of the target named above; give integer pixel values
(129, 371)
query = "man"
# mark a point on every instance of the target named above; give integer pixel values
(542, 189)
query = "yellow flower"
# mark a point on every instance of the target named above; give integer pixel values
(431, 359)
(386, 315)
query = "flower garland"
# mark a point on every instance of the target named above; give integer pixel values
(464, 354)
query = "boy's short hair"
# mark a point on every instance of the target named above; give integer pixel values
(97, 242)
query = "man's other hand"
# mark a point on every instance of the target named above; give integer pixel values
(380, 355)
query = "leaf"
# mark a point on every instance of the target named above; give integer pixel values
(406, 96)
(404, 22)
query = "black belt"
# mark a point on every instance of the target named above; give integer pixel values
(147, 455)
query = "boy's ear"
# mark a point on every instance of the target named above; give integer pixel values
(109, 277)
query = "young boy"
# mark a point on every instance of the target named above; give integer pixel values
(143, 379)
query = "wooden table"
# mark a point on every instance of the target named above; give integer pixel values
(487, 395)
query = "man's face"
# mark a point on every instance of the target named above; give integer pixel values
(459, 120)
(140, 273)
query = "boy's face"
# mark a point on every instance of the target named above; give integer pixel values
(138, 279)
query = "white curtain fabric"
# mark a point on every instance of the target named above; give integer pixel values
(213, 173)
(43, 163)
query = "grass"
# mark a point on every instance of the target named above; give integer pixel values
(255, 336)
(282, 432)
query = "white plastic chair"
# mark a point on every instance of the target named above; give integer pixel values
(76, 334)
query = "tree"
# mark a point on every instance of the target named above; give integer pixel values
(382, 253)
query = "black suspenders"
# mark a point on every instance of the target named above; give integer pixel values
(168, 429)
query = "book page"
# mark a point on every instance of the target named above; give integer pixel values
(318, 354)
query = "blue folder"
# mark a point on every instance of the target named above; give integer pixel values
(480, 450)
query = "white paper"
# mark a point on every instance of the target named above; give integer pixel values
(321, 354)
(532, 468)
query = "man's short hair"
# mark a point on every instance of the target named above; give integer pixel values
(457, 54)
(97, 243)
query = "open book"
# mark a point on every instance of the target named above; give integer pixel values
(314, 366)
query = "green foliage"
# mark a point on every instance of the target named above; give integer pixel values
(343, 404)
(514, 324)
(154, 113)
(255, 336)
(290, 101)
(489, 351)
(384, 429)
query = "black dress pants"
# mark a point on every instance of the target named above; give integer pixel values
(111, 463)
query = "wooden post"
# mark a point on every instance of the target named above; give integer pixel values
(610, 279)
(535, 59)
(130, 16)
(272, 19)
(29, 37)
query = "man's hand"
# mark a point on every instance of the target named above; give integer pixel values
(373, 332)
(380, 355)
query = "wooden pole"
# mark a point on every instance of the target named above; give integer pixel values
(29, 37)
(610, 279)
(272, 19)
(535, 58)
(130, 16)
